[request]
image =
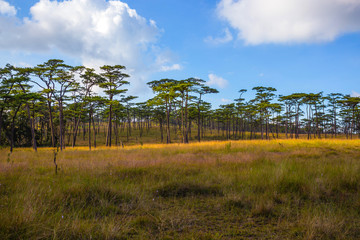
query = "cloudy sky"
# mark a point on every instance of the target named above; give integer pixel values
(292, 45)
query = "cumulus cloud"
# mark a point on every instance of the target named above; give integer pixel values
(96, 31)
(173, 67)
(290, 21)
(217, 81)
(7, 9)
(164, 59)
(220, 40)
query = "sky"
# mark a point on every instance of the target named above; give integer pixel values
(292, 45)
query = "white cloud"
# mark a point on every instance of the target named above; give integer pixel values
(355, 94)
(216, 81)
(261, 75)
(290, 21)
(96, 31)
(25, 64)
(7, 9)
(173, 67)
(164, 59)
(224, 100)
(220, 40)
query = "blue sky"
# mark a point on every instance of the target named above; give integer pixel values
(294, 46)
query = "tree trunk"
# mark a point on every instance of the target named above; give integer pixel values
(261, 126)
(51, 124)
(108, 139)
(12, 142)
(186, 129)
(161, 130)
(168, 107)
(76, 127)
(31, 122)
(61, 132)
(1, 125)
(94, 130)
(116, 132)
(198, 122)
(89, 129)
(129, 124)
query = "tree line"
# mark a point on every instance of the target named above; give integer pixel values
(52, 103)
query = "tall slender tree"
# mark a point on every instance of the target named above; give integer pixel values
(165, 90)
(202, 90)
(114, 80)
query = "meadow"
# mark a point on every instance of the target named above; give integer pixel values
(278, 189)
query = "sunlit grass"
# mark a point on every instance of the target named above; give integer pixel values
(278, 189)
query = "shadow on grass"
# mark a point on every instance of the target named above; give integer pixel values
(186, 190)
(93, 201)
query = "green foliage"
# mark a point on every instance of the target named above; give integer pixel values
(64, 102)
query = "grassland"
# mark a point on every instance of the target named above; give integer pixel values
(280, 189)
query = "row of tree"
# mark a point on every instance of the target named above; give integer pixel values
(51, 103)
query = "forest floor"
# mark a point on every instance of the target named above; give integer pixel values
(278, 189)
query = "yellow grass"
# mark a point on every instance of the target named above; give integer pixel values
(278, 189)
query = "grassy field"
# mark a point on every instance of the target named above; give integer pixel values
(280, 189)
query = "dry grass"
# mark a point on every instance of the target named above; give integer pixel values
(281, 189)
